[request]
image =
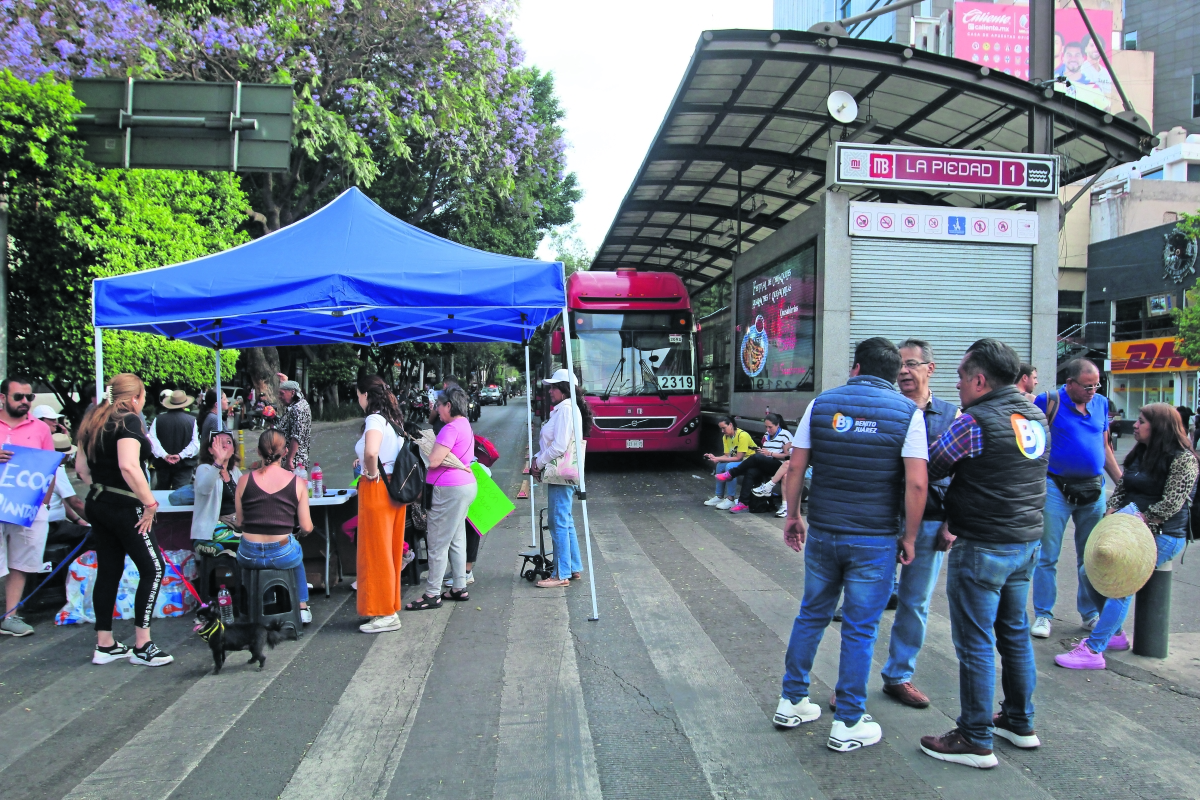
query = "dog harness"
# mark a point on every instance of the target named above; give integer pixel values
(213, 627)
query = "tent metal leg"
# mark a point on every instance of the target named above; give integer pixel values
(99, 364)
(587, 530)
(221, 420)
(533, 540)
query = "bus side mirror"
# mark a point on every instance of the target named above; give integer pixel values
(556, 342)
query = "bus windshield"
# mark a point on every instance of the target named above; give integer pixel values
(639, 353)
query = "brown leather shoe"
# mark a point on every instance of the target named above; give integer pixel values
(907, 694)
(576, 576)
(954, 748)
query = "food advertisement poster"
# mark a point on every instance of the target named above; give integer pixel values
(997, 36)
(775, 326)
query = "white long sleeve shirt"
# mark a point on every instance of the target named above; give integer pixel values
(193, 449)
(557, 433)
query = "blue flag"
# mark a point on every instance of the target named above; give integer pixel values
(24, 481)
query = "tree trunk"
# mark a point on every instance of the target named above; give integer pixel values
(262, 365)
(332, 393)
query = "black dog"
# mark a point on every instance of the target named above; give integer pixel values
(223, 638)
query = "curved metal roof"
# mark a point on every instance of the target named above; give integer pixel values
(751, 107)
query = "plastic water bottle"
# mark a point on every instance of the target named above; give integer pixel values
(318, 481)
(225, 605)
(301, 473)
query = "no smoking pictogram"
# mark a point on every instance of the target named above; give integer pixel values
(885, 222)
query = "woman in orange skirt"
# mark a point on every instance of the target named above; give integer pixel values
(380, 520)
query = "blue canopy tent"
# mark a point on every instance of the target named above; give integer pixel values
(348, 273)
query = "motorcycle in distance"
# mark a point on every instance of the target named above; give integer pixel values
(474, 409)
(418, 406)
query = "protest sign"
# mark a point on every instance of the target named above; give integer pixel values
(491, 504)
(24, 481)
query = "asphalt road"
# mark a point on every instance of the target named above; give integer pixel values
(518, 694)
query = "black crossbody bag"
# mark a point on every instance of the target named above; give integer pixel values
(1079, 492)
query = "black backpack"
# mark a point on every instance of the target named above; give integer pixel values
(407, 480)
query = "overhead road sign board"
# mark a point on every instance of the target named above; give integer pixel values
(242, 127)
(942, 223)
(941, 169)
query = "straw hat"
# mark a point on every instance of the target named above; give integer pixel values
(1120, 555)
(62, 443)
(178, 399)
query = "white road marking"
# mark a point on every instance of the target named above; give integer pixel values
(739, 751)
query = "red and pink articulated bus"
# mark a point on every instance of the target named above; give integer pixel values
(634, 343)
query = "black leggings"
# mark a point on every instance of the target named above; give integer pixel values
(755, 470)
(114, 536)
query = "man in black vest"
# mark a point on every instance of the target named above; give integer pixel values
(866, 443)
(997, 454)
(175, 442)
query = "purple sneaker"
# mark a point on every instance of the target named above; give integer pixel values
(740, 508)
(1082, 657)
(1119, 642)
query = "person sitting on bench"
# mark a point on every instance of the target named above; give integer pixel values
(776, 447)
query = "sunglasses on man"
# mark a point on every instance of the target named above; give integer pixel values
(19, 396)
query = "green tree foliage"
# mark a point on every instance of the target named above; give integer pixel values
(1189, 317)
(338, 365)
(71, 223)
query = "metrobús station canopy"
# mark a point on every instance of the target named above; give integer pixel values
(748, 131)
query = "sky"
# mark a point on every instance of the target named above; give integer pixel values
(617, 64)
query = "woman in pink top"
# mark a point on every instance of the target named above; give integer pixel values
(453, 490)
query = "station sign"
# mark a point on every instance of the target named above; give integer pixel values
(942, 223)
(929, 168)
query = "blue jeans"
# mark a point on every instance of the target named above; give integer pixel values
(726, 488)
(562, 530)
(1054, 524)
(1113, 610)
(916, 587)
(988, 587)
(276, 555)
(863, 566)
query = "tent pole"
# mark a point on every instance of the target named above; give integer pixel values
(533, 542)
(220, 411)
(587, 531)
(99, 364)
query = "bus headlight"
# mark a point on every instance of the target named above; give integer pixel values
(691, 427)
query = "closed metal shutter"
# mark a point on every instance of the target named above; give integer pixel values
(902, 289)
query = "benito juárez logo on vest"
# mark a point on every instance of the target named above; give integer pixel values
(844, 423)
(1031, 436)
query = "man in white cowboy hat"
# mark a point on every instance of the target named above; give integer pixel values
(175, 442)
(49, 416)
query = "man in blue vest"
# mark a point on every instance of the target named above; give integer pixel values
(996, 452)
(866, 443)
(918, 579)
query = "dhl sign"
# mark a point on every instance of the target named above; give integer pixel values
(1148, 355)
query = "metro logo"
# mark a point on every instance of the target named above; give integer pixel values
(881, 165)
(1148, 355)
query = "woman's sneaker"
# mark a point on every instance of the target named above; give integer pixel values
(306, 616)
(107, 655)
(714, 500)
(725, 504)
(1082, 657)
(149, 656)
(381, 624)
(764, 490)
(1040, 628)
(740, 508)
(864, 733)
(1119, 642)
(782, 512)
(790, 715)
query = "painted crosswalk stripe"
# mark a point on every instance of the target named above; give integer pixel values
(541, 707)
(154, 762)
(777, 609)
(739, 751)
(356, 753)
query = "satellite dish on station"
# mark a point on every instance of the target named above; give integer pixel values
(842, 107)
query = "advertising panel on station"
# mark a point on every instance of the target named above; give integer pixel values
(942, 223)
(944, 170)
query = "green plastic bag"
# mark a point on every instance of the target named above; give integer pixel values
(491, 504)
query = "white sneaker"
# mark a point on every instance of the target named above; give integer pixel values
(1040, 628)
(790, 715)
(1090, 623)
(470, 578)
(712, 501)
(782, 512)
(306, 616)
(381, 624)
(725, 504)
(764, 490)
(448, 583)
(864, 733)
